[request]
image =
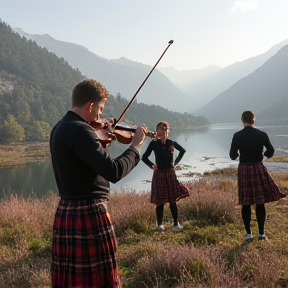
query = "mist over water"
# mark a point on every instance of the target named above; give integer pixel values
(206, 149)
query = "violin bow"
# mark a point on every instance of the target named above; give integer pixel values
(124, 111)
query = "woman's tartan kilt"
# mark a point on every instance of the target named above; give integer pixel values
(166, 188)
(84, 246)
(256, 185)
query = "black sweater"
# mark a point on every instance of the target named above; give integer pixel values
(163, 153)
(82, 167)
(250, 142)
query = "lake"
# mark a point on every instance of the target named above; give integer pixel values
(206, 150)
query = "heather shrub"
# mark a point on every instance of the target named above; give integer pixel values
(130, 256)
(133, 211)
(25, 240)
(174, 265)
(213, 202)
(281, 179)
(34, 213)
(258, 269)
(21, 271)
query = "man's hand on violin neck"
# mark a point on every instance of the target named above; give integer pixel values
(138, 137)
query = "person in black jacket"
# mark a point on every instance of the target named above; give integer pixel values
(84, 244)
(255, 184)
(165, 186)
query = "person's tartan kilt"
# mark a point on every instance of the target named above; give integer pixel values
(84, 246)
(256, 185)
(166, 188)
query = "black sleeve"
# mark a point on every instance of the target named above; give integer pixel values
(147, 153)
(181, 152)
(234, 149)
(269, 148)
(88, 148)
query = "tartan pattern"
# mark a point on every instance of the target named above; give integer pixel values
(256, 185)
(166, 188)
(84, 246)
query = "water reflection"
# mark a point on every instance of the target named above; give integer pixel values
(206, 149)
(33, 178)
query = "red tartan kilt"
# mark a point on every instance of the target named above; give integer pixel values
(166, 188)
(84, 246)
(256, 185)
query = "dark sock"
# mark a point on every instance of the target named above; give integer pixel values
(159, 214)
(174, 212)
(246, 217)
(260, 216)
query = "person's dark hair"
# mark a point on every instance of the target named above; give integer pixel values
(88, 90)
(163, 124)
(248, 117)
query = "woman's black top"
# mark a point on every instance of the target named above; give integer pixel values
(249, 142)
(82, 167)
(163, 153)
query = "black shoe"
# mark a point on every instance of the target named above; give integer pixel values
(262, 237)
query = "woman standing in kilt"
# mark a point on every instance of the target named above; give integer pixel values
(165, 186)
(255, 184)
(84, 244)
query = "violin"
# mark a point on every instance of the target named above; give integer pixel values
(112, 130)
(121, 132)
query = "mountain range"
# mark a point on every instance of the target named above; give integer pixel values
(259, 91)
(119, 76)
(205, 84)
(207, 92)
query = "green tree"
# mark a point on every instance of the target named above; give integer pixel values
(38, 131)
(11, 131)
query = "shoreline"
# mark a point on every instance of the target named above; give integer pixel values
(19, 154)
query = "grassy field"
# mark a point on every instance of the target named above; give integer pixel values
(209, 252)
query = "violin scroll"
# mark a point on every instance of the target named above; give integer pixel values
(150, 134)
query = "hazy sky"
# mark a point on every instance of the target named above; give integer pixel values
(205, 32)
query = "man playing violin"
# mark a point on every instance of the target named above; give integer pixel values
(84, 244)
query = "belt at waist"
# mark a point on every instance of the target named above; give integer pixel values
(87, 201)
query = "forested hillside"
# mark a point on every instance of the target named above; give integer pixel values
(35, 92)
(139, 113)
(36, 88)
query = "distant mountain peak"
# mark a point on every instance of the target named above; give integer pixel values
(128, 62)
